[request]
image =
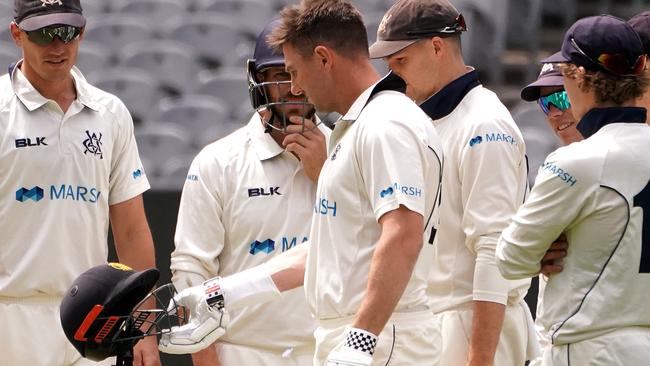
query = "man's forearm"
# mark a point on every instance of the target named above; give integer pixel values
(486, 330)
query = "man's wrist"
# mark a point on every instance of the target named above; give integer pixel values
(361, 340)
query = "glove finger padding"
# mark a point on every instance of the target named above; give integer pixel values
(203, 329)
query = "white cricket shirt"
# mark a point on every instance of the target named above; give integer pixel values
(597, 192)
(484, 182)
(245, 201)
(60, 173)
(383, 153)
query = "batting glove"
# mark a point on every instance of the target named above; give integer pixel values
(357, 350)
(207, 322)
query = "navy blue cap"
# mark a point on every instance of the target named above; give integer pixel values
(550, 76)
(641, 24)
(597, 35)
(31, 15)
(264, 56)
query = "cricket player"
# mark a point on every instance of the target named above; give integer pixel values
(69, 165)
(365, 270)
(249, 197)
(483, 317)
(597, 192)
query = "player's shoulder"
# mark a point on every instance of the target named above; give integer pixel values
(483, 111)
(6, 91)
(580, 162)
(391, 108)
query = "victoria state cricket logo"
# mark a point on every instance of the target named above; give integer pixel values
(382, 25)
(93, 144)
(51, 2)
(120, 266)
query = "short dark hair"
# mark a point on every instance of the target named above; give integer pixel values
(334, 23)
(610, 88)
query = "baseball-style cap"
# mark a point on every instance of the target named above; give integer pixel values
(602, 42)
(550, 76)
(31, 15)
(408, 21)
(108, 290)
(264, 55)
(641, 24)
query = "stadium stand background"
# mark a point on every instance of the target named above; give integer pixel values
(179, 67)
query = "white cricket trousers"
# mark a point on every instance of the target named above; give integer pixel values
(408, 339)
(517, 344)
(31, 334)
(621, 347)
(232, 354)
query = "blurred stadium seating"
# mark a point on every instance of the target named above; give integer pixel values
(168, 60)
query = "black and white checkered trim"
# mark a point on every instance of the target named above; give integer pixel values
(361, 340)
(214, 293)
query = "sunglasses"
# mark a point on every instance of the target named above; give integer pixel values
(458, 26)
(46, 35)
(615, 63)
(559, 100)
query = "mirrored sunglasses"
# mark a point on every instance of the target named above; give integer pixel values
(615, 63)
(458, 26)
(46, 35)
(559, 100)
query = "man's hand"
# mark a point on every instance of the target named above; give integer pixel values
(308, 146)
(208, 319)
(145, 352)
(357, 350)
(551, 262)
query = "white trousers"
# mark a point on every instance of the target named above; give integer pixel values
(408, 339)
(517, 344)
(31, 335)
(234, 355)
(621, 347)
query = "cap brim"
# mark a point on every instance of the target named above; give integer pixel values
(40, 21)
(555, 58)
(532, 91)
(381, 49)
(134, 288)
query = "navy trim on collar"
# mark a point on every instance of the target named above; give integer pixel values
(596, 118)
(446, 99)
(390, 82)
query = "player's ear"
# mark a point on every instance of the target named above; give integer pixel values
(15, 34)
(81, 33)
(324, 56)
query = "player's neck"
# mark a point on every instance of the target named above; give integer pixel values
(63, 92)
(354, 83)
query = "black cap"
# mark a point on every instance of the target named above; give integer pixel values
(107, 290)
(264, 56)
(31, 15)
(549, 76)
(589, 38)
(641, 24)
(408, 21)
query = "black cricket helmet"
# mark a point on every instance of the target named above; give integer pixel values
(264, 57)
(102, 313)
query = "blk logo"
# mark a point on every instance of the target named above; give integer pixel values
(266, 246)
(271, 191)
(30, 142)
(35, 194)
(386, 192)
(475, 141)
(93, 144)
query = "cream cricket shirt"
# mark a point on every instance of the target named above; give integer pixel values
(597, 191)
(383, 153)
(484, 182)
(245, 201)
(60, 173)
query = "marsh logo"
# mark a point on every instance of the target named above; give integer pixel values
(266, 246)
(35, 194)
(475, 141)
(564, 175)
(74, 193)
(93, 144)
(386, 192)
(137, 173)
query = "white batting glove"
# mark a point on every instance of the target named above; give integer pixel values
(357, 350)
(208, 319)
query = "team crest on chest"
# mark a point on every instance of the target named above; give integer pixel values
(51, 2)
(93, 144)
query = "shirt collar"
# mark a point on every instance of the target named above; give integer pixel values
(596, 118)
(33, 100)
(446, 99)
(389, 82)
(264, 145)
